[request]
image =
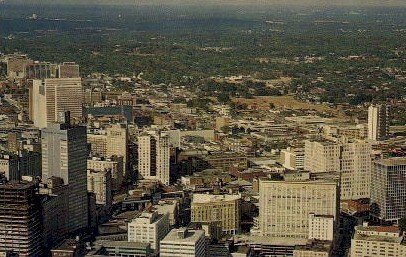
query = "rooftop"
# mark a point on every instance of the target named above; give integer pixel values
(392, 161)
(207, 198)
(188, 236)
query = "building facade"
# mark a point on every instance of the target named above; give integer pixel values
(378, 122)
(224, 209)
(154, 157)
(388, 189)
(183, 243)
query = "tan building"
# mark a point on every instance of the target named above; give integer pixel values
(153, 156)
(221, 208)
(113, 141)
(377, 241)
(378, 122)
(113, 164)
(99, 183)
(353, 160)
(292, 158)
(285, 206)
(51, 97)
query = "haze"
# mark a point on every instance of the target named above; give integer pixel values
(208, 2)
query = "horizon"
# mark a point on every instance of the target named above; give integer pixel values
(299, 3)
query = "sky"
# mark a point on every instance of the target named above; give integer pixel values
(178, 2)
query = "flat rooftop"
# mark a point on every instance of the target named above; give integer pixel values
(392, 161)
(191, 236)
(207, 198)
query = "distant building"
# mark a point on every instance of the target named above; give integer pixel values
(149, 227)
(377, 241)
(114, 164)
(224, 209)
(154, 157)
(352, 160)
(68, 70)
(50, 97)
(16, 66)
(378, 122)
(183, 243)
(285, 207)
(388, 189)
(292, 159)
(21, 227)
(121, 248)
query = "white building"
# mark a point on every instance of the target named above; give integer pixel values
(285, 206)
(388, 194)
(293, 159)
(321, 227)
(353, 160)
(50, 97)
(183, 243)
(378, 122)
(377, 241)
(149, 227)
(113, 164)
(154, 156)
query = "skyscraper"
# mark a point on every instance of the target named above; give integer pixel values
(64, 155)
(153, 156)
(388, 189)
(49, 97)
(21, 228)
(378, 122)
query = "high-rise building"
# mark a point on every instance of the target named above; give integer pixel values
(21, 227)
(154, 157)
(285, 206)
(224, 209)
(50, 97)
(149, 227)
(117, 142)
(41, 70)
(352, 160)
(183, 243)
(388, 189)
(378, 121)
(378, 241)
(16, 66)
(99, 183)
(64, 155)
(68, 70)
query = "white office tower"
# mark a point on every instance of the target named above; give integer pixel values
(388, 194)
(149, 227)
(285, 207)
(49, 97)
(183, 243)
(377, 241)
(352, 160)
(64, 155)
(378, 121)
(292, 158)
(154, 156)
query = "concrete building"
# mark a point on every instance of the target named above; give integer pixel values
(50, 97)
(388, 189)
(293, 159)
(121, 248)
(68, 70)
(154, 156)
(16, 66)
(21, 227)
(149, 227)
(64, 155)
(111, 141)
(321, 227)
(377, 241)
(353, 160)
(224, 209)
(378, 122)
(114, 164)
(285, 206)
(183, 243)
(99, 183)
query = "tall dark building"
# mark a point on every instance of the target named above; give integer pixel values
(21, 228)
